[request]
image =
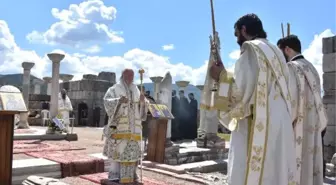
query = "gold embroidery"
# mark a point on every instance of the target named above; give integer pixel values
(260, 126)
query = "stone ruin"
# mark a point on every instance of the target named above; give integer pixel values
(329, 100)
(86, 93)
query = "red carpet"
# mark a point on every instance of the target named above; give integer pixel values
(72, 164)
(24, 131)
(99, 176)
(24, 146)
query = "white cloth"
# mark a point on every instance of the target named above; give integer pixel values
(309, 119)
(208, 114)
(165, 97)
(255, 106)
(64, 108)
(123, 143)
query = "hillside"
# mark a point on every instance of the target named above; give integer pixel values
(15, 79)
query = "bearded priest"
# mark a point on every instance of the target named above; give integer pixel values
(126, 108)
(255, 106)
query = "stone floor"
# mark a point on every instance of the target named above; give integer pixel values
(91, 139)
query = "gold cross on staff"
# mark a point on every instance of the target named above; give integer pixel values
(288, 30)
(141, 72)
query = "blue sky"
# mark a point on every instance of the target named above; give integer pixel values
(147, 25)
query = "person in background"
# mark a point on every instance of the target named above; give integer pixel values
(308, 115)
(193, 108)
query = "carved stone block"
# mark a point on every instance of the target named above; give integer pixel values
(329, 82)
(329, 45)
(329, 62)
(331, 113)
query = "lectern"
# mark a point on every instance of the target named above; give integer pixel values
(157, 134)
(11, 103)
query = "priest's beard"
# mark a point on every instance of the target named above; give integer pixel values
(241, 39)
(63, 96)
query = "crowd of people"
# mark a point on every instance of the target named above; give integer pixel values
(184, 126)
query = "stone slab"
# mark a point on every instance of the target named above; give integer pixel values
(329, 82)
(39, 135)
(329, 62)
(34, 166)
(330, 135)
(329, 97)
(203, 166)
(189, 152)
(71, 137)
(18, 180)
(329, 45)
(39, 180)
(329, 151)
(330, 110)
(26, 167)
(185, 177)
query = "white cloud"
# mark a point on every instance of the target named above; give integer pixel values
(314, 52)
(235, 54)
(168, 47)
(83, 23)
(11, 57)
(93, 49)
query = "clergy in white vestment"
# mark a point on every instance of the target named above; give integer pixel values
(64, 108)
(308, 115)
(255, 105)
(126, 108)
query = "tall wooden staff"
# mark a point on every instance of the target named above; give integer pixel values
(214, 45)
(283, 32)
(141, 72)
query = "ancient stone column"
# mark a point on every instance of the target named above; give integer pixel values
(48, 80)
(182, 84)
(156, 80)
(329, 98)
(37, 86)
(56, 59)
(27, 66)
(65, 79)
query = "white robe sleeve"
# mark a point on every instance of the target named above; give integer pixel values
(235, 94)
(294, 92)
(69, 104)
(110, 103)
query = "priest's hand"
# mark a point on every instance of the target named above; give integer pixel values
(123, 99)
(142, 97)
(215, 70)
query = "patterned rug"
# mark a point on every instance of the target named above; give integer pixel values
(72, 163)
(24, 146)
(24, 131)
(96, 178)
